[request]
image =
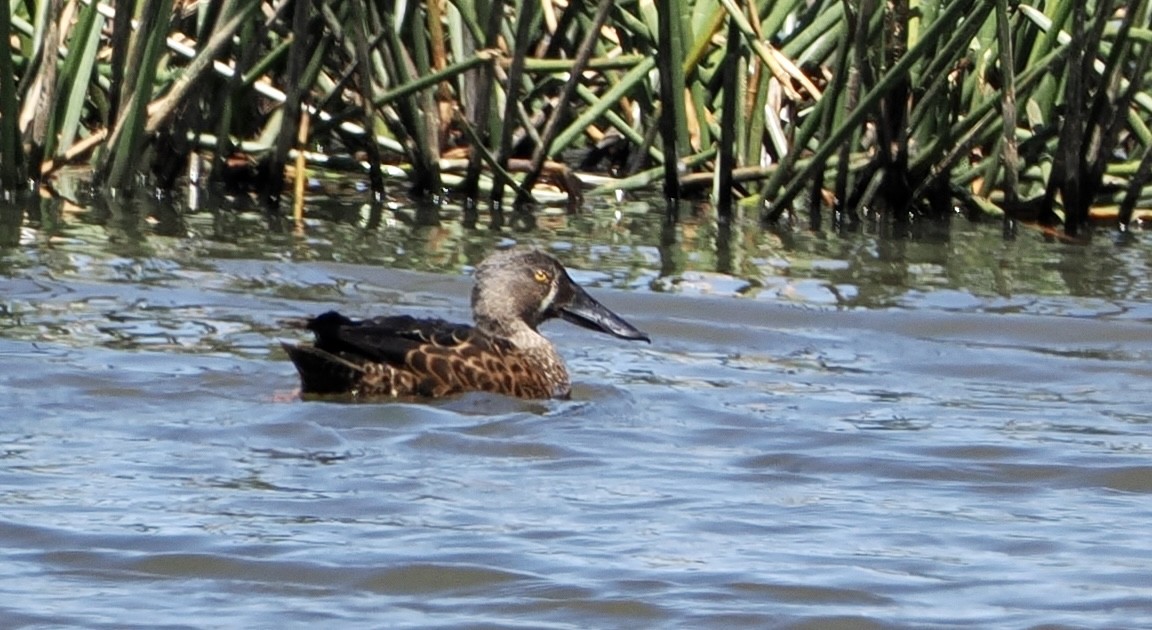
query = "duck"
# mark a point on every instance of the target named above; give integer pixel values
(502, 352)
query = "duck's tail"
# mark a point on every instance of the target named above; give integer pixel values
(322, 372)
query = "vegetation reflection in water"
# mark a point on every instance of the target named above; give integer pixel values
(625, 244)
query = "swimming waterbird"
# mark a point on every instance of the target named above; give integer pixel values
(503, 352)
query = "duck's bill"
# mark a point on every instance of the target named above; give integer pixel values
(585, 311)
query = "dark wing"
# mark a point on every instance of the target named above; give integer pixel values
(387, 339)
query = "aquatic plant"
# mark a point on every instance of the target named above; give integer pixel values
(907, 108)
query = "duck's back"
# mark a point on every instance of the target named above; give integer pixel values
(407, 356)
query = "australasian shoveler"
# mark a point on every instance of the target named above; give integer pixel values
(515, 291)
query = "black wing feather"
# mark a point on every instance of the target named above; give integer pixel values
(387, 339)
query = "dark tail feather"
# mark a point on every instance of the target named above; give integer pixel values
(323, 372)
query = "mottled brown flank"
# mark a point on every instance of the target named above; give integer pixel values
(437, 370)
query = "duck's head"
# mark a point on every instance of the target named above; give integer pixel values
(529, 286)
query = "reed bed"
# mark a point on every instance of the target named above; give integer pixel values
(789, 108)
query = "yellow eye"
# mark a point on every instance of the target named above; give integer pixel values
(541, 276)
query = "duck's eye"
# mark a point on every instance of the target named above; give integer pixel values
(541, 276)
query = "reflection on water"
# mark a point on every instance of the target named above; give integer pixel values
(621, 244)
(939, 429)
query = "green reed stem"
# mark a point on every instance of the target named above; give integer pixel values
(11, 153)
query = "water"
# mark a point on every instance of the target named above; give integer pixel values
(943, 430)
